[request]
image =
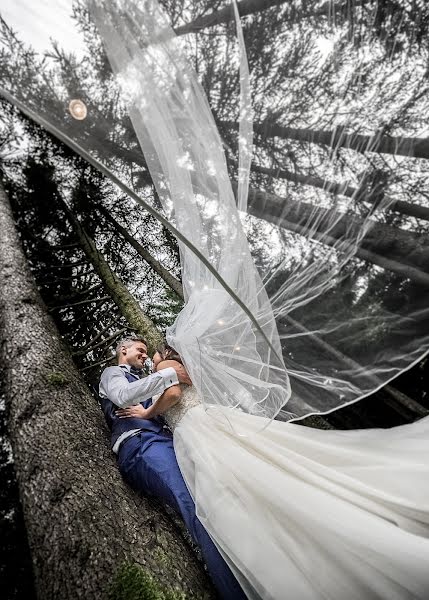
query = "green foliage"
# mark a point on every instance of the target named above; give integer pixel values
(132, 582)
(57, 379)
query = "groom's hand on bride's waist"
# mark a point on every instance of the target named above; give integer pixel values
(133, 411)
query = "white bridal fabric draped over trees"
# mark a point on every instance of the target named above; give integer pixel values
(337, 211)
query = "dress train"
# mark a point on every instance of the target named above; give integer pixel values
(301, 513)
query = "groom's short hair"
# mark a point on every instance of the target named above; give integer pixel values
(129, 341)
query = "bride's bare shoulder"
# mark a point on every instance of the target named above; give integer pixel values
(164, 364)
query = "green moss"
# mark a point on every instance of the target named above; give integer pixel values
(160, 556)
(57, 379)
(132, 582)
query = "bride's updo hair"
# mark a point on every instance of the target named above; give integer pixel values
(166, 352)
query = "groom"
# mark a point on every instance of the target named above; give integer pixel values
(145, 449)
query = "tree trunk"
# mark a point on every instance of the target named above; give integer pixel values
(403, 252)
(293, 12)
(165, 275)
(125, 301)
(338, 138)
(84, 525)
(226, 14)
(341, 189)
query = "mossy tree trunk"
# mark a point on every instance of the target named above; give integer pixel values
(113, 285)
(84, 524)
(155, 265)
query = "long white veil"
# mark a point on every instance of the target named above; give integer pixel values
(229, 360)
(335, 291)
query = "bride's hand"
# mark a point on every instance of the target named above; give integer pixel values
(132, 411)
(182, 374)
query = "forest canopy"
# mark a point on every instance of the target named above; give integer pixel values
(337, 210)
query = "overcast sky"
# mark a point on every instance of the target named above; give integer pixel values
(36, 22)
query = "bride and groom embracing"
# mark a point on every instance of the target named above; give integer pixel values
(284, 510)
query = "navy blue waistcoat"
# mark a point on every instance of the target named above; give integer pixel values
(119, 426)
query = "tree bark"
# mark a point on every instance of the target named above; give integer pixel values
(340, 189)
(339, 138)
(165, 275)
(83, 523)
(403, 252)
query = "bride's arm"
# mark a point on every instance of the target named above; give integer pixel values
(169, 398)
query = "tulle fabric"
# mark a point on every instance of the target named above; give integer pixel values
(347, 313)
(307, 514)
(176, 130)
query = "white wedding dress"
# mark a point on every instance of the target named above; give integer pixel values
(301, 513)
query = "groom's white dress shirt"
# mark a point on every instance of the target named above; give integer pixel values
(116, 387)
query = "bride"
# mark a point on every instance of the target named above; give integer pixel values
(303, 513)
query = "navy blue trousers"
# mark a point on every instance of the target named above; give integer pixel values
(148, 463)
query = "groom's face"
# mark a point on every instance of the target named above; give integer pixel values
(135, 355)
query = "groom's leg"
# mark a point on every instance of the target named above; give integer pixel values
(148, 463)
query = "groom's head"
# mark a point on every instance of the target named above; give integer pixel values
(132, 351)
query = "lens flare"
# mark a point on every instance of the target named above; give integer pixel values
(78, 110)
